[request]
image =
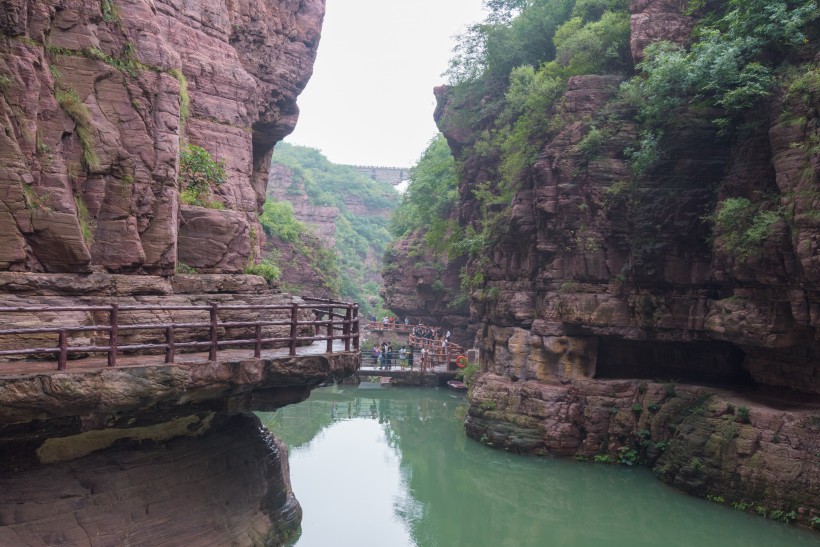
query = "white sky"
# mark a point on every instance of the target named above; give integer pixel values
(370, 101)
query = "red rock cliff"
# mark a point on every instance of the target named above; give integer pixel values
(95, 100)
(595, 284)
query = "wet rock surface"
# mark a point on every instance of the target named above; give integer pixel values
(226, 484)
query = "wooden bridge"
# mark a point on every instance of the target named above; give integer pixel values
(227, 327)
(439, 353)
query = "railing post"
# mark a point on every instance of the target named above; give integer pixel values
(294, 321)
(257, 334)
(63, 357)
(355, 328)
(114, 323)
(330, 330)
(346, 328)
(214, 343)
(169, 344)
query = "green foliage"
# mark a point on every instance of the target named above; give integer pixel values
(728, 66)
(743, 227)
(183, 268)
(85, 220)
(5, 82)
(525, 51)
(627, 456)
(595, 47)
(124, 62)
(278, 219)
(72, 105)
(742, 415)
(637, 408)
(715, 499)
(265, 268)
(646, 154)
(110, 13)
(199, 174)
(467, 374)
(431, 195)
(347, 268)
(603, 458)
(184, 97)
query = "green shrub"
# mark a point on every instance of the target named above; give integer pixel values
(266, 269)
(72, 105)
(729, 64)
(742, 415)
(743, 227)
(603, 458)
(183, 268)
(199, 174)
(85, 220)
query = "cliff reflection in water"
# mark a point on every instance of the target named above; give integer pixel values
(394, 467)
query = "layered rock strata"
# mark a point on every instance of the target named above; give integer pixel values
(228, 486)
(147, 453)
(96, 100)
(604, 282)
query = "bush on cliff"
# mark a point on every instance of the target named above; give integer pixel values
(731, 63)
(199, 174)
(430, 198)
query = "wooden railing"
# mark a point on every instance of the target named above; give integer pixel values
(437, 350)
(337, 326)
(400, 328)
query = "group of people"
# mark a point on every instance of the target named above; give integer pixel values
(384, 357)
(429, 333)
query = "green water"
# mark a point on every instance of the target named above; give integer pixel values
(392, 468)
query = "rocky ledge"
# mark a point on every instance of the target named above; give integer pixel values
(141, 453)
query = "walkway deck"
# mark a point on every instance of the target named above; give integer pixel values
(21, 367)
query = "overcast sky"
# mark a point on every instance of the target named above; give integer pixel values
(370, 101)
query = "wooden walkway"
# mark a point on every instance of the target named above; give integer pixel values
(101, 338)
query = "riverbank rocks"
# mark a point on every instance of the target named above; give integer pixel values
(748, 449)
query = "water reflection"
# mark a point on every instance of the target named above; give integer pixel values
(393, 467)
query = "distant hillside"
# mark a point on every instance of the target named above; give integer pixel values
(348, 213)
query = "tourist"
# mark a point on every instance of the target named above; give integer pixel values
(389, 356)
(375, 355)
(410, 357)
(402, 356)
(381, 360)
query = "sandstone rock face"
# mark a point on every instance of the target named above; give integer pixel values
(601, 277)
(148, 453)
(424, 286)
(698, 439)
(654, 20)
(96, 100)
(227, 485)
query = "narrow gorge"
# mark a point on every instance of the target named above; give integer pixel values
(642, 285)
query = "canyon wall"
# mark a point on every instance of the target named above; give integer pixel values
(98, 102)
(602, 287)
(98, 98)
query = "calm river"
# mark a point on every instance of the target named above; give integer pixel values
(392, 467)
